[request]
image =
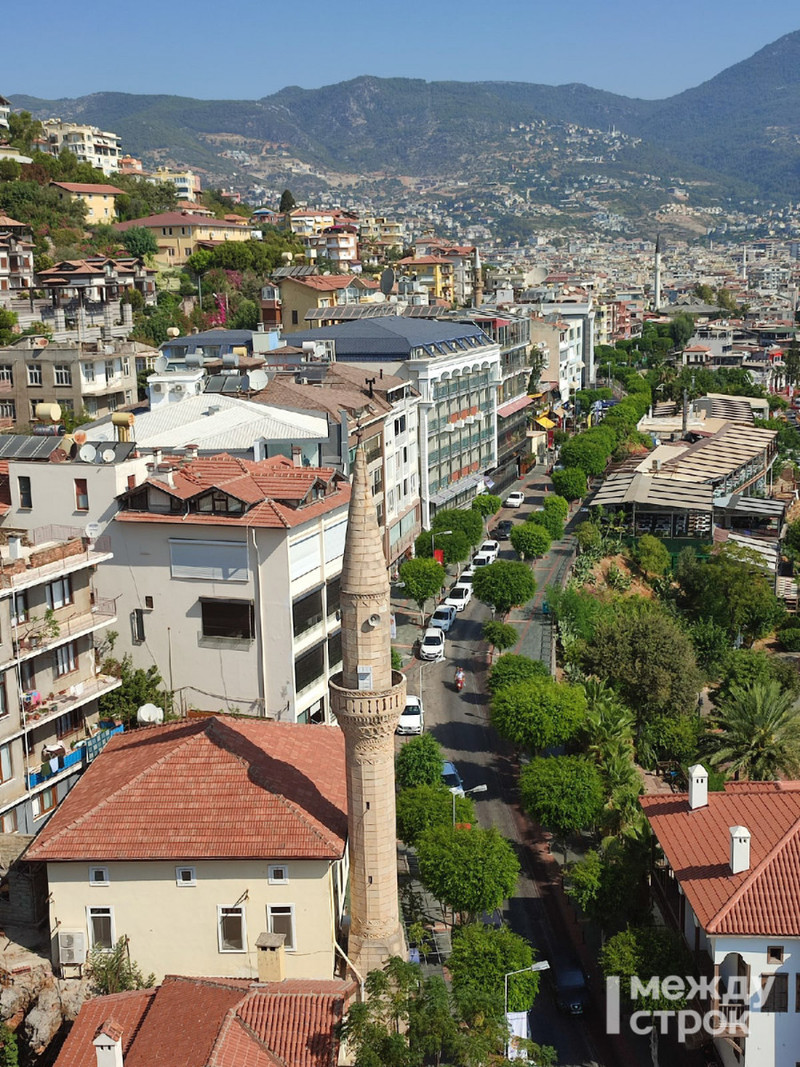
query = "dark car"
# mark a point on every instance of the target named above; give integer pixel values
(570, 987)
(502, 531)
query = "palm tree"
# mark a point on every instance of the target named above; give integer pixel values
(756, 732)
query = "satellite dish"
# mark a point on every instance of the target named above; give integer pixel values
(387, 281)
(108, 455)
(87, 454)
(92, 530)
(150, 713)
(258, 380)
(79, 437)
(160, 364)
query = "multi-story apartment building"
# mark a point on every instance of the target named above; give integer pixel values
(99, 148)
(378, 236)
(180, 233)
(299, 296)
(97, 279)
(339, 244)
(455, 367)
(434, 275)
(99, 377)
(16, 259)
(186, 182)
(100, 200)
(50, 622)
(564, 344)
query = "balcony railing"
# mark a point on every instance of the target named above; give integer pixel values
(79, 758)
(103, 613)
(78, 694)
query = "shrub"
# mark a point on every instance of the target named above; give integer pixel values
(419, 762)
(570, 483)
(790, 638)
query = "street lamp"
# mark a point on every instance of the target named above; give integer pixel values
(433, 538)
(467, 792)
(543, 965)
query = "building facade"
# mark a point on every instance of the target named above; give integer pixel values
(180, 233)
(99, 148)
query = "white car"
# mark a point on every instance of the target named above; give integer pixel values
(443, 617)
(432, 644)
(482, 559)
(514, 500)
(459, 596)
(490, 548)
(466, 576)
(412, 720)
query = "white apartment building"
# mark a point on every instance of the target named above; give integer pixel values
(563, 342)
(99, 148)
(186, 182)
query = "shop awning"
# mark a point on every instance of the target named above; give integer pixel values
(513, 406)
(545, 423)
(535, 396)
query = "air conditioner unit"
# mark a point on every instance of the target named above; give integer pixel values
(157, 388)
(177, 388)
(71, 947)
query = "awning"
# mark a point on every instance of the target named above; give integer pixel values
(545, 423)
(535, 396)
(514, 405)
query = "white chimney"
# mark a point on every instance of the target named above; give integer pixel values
(14, 546)
(740, 849)
(108, 1044)
(698, 787)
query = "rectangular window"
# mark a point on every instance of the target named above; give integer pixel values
(59, 592)
(137, 626)
(109, 369)
(98, 876)
(5, 763)
(19, 608)
(295, 319)
(8, 409)
(774, 992)
(185, 876)
(25, 495)
(307, 612)
(775, 954)
(34, 374)
(334, 650)
(333, 595)
(81, 494)
(797, 991)
(228, 618)
(6, 372)
(44, 801)
(87, 370)
(8, 822)
(281, 921)
(126, 365)
(278, 874)
(27, 673)
(66, 660)
(63, 374)
(212, 561)
(309, 667)
(400, 425)
(101, 927)
(231, 929)
(69, 722)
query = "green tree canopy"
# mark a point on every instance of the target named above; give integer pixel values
(422, 807)
(559, 505)
(113, 971)
(481, 957)
(646, 952)
(455, 545)
(139, 686)
(563, 793)
(570, 483)
(499, 635)
(503, 585)
(530, 540)
(539, 713)
(419, 762)
(652, 555)
(509, 669)
(486, 504)
(468, 520)
(589, 536)
(139, 241)
(756, 732)
(423, 579)
(610, 886)
(288, 202)
(8, 320)
(471, 871)
(589, 454)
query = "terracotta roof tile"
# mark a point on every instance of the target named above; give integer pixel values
(178, 792)
(84, 187)
(128, 1011)
(765, 899)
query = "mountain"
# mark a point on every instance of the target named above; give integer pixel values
(737, 134)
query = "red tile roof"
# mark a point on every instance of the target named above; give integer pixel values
(323, 282)
(84, 187)
(176, 218)
(762, 901)
(217, 1022)
(179, 792)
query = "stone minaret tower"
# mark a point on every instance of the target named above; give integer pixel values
(477, 279)
(657, 277)
(367, 699)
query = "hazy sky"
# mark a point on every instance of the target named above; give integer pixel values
(245, 49)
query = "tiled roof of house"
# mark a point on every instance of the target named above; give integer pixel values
(90, 188)
(176, 218)
(214, 788)
(216, 1022)
(324, 283)
(765, 899)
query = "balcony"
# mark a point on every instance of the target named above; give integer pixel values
(80, 758)
(78, 694)
(103, 613)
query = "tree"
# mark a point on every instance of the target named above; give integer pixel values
(375, 1028)
(487, 505)
(530, 540)
(481, 958)
(288, 202)
(609, 885)
(646, 952)
(557, 504)
(422, 807)
(454, 545)
(756, 732)
(471, 871)
(419, 762)
(9, 1055)
(140, 242)
(681, 329)
(791, 358)
(504, 585)
(113, 970)
(468, 520)
(423, 579)
(23, 130)
(589, 454)
(551, 521)
(8, 320)
(139, 686)
(570, 483)
(589, 536)
(652, 555)
(510, 668)
(499, 635)
(563, 793)
(538, 713)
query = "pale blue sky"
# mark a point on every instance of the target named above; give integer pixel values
(245, 49)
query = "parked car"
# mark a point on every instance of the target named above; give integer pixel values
(490, 548)
(466, 576)
(502, 531)
(570, 988)
(452, 779)
(514, 500)
(443, 617)
(459, 596)
(412, 721)
(482, 559)
(432, 644)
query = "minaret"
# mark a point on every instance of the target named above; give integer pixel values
(367, 699)
(657, 278)
(477, 279)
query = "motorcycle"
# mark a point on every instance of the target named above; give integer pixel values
(460, 677)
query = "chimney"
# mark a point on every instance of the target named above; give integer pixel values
(698, 787)
(156, 456)
(271, 958)
(14, 546)
(740, 849)
(297, 456)
(108, 1044)
(191, 451)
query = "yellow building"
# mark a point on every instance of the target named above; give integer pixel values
(301, 295)
(100, 200)
(180, 233)
(434, 273)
